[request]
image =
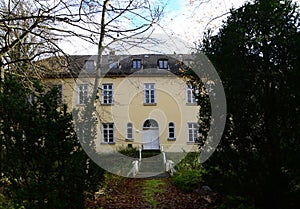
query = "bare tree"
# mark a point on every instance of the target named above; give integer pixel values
(30, 30)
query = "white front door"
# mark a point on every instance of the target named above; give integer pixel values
(150, 139)
(150, 135)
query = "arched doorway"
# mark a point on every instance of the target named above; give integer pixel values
(150, 135)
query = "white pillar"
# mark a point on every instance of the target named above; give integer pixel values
(164, 154)
(140, 154)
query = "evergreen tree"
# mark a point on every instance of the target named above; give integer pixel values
(256, 54)
(42, 162)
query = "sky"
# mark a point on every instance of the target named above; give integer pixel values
(188, 20)
(182, 25)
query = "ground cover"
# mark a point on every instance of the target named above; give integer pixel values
(123, 193)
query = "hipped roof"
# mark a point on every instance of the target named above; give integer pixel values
(75, 65)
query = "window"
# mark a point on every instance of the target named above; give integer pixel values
(190, 97)
(107, 132)
(171, 130)
(107, 93)
(149, 93)
(129, 134)
(137, 64)
(113, 64)
(193, 132)
(163, 64)
(150, 124)
(82, 93)
(59, 93)
(89, 65)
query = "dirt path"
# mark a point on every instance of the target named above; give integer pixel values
(148, 193)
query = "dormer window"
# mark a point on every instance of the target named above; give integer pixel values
(114, 65)
(137, 64)
(89, 65)
(163, 64)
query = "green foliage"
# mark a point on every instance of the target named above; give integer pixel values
(150, 189)
(256, 54)
(189, 171)
(42, 162)
(187, 180)
(190, 161)
(129, 151)
(235, 202)
(5, 203)
(134, 152)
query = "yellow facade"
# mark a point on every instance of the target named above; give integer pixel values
(129, 105)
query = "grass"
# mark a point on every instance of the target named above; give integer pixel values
(152, 187)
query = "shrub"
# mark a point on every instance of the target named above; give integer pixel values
(187, 180)
(235, 202)
(190, 162)
(5, 203)
(129, 151)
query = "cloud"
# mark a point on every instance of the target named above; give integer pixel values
(193, 18)
(182, 21)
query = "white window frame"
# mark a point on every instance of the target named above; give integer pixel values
(163, 64)
(171, 125)
(83, 91)
(107, 93)
(110, 129)
(190, 97)
(136, 64)
(192, 132)
(129, 131)
(149, 93)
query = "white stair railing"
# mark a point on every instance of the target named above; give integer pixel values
(135, 168)
(169, 164)
(140, 154)
(164, 155)
(136, 165)
(170, 167)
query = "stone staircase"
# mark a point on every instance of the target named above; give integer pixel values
(152, 167)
